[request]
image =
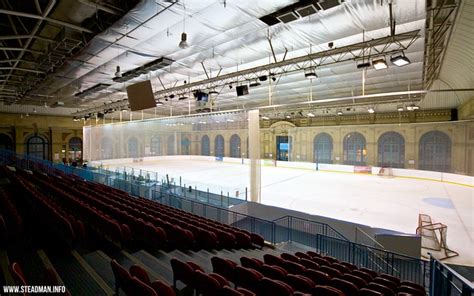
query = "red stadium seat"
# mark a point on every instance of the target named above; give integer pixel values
(247, 278)
(269, 287)
(386, 283)
(318, 277)
(251, 263)
(302, 255)
(17, 274)
(309, 264)
(140, 273)
(274, 272)
(294, 268)
(331, 271)
(343, 269)
(183, 272)
(162, 289)
(345, 286)
(363, 275)
(359, 282)
(411, 290)
(327, 291)
(122, 278)
(140, 288)
(224, 267)
(290, 257)
(369, 292)
(273, 260)
(381, 288)
(205, 284)
(300, 283)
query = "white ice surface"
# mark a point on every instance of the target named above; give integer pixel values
(390, 203)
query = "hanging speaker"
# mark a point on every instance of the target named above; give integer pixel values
(242, 90)
(140, 96)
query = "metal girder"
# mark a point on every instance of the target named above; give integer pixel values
(14, 37)
(378, 47)
(439, 25)
(15, 60)
(47, 19)
(21, 49)
(99, 6)
(22, 69)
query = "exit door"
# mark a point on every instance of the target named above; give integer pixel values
(283, 147)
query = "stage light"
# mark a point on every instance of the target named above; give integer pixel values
(380, 64)
(274, 78)
(371, 110)
(288, 116)
(118, 74)
(400, 60)
(159, 103)
(263, 78)
(75, 118)
(339, 112)
(213, 92)
(412, 107)
(265, 118)
(310, 114)
(400, 108)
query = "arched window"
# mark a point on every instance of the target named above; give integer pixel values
(235, 146)
(155, 145)
(107, 150)
(75, 148)
(219, 146)
(170, 145)
(37, 146)
(435, 152)
(205, 146)
(322, 146)
(391, 150)
(133, 147)
(354, 149)
(185, 143)
(6, 142)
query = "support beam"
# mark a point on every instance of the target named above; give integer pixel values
(13, 37)
(22, 69)
(44, 18)
(99, 6)
(254, 156)
(21, 49)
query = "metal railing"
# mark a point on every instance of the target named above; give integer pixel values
(319, 236)
(447, 282)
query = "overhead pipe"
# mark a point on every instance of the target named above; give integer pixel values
(99, 6)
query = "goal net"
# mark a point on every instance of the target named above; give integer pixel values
(386, 172)
(434, 237)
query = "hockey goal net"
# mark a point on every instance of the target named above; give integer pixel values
(386, 172)
(434, 237)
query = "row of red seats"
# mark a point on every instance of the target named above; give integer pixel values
(50, 213)
(137, 282)
(183, 230)
(52, 278)
(195, 278)
(10, 220)
(147, 206)
(102, 223)
(302, 272)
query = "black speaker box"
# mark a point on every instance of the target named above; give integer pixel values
(242, 90)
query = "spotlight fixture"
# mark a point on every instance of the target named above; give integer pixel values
(400, 60)
(263, 78)
(265, 118)
(75, 118)
(34, 110)
(371, 110)
(213, 92)
(172, 96)
(287, 116)
(159, 103)
(274, 78)
(380, 64)
(310, 73)
(412, 107)
(400, 108)
(27, 114)
(255, 83)
(230, 86)
(46, 105)
(339, 112)
(182, 97)
(118, 73)
(183, 44)
(310, 114)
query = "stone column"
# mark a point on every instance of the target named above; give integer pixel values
(254, 151)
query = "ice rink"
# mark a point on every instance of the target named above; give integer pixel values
(390, 203)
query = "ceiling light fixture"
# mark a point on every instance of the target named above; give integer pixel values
(412, 107)
(310, 114)
(265, 118)
(255, 83)
(159, 103)
(363, 65)
(213, 92)
(310, 73)
(339, 112)
(400, 60)
(118, 73)
(371, 110)
(288, 116)
(380, 64)
(184, 37)
(400, 108)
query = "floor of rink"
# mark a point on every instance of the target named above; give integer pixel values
(390, 203)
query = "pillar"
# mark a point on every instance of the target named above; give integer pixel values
(254, 155)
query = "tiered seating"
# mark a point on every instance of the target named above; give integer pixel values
(196, 278)
(151, 224)
(20, 279)
(137, 282)
(309, 273)
(10, 220)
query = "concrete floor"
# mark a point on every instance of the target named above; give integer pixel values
(390, 203)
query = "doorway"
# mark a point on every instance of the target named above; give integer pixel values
(283, 147)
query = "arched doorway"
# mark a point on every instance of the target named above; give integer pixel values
(322, 147)
(185, 143)
(235, 146)
(355, 149)
(133, 150)
(170, 145)
(6, 142)
(205, 146)
(435, 152)
(37, 146)
(155, 145)
(391, 150)
(219, 146)
(75, 148)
